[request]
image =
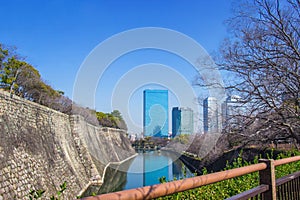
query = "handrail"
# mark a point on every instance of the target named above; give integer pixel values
(286, 160)
(159, 190)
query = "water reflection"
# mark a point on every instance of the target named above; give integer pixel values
(143, 170)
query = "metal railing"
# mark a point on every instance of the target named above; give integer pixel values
(287, 187)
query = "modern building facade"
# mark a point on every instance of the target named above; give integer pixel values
(155, 113)
(212, 117)
(182, 121)
(232, 110)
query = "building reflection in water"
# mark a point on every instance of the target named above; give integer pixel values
(143, 170)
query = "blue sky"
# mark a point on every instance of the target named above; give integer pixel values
(56, 36)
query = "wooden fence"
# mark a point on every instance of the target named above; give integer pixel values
(287, 187)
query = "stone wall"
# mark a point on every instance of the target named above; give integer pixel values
(41, 148)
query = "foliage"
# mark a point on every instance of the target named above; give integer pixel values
(219, 190)
(22, 79)
(150, 143)
(3, 55)
(63, 187)
(183, 138)
(262, 56)
(37, 194)
(231, 187)
(10, 72)
(113, 119)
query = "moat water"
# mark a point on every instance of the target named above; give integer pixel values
(143, 170)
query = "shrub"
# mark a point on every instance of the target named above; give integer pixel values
(231, 187)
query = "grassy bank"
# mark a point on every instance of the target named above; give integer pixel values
(228, 188)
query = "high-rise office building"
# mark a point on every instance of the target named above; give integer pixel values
(156, 111)
(232, 110)
(212, 119)
(182, 121)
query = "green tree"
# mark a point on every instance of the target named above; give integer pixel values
(11, 70)
(3, 55)
(120, 123)
(22, 79)
(113, 120)
(117, 114)
(27, 80)
(104, 119)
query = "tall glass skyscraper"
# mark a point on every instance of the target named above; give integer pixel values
(156, 111)
(233, 109)
(182, 121)
(212, 115)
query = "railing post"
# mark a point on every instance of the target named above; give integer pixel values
(267, 177)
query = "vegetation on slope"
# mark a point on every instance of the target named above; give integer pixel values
(231, 187)
(22, 79)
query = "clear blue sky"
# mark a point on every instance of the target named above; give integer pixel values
(55, 36)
